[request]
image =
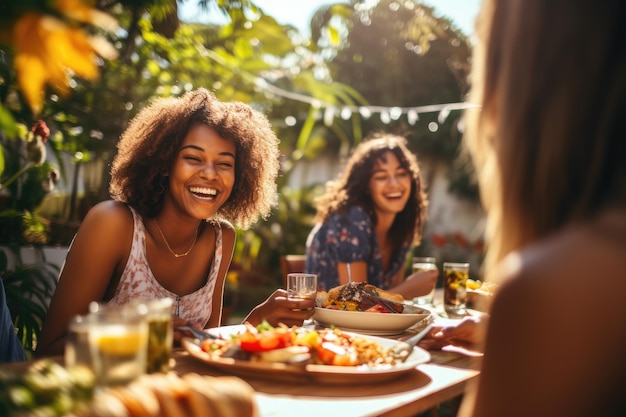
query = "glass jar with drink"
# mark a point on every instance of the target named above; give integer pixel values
(425, 263)
(455, 275)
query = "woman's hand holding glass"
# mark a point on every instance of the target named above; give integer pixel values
(279, 308)
(421, 283)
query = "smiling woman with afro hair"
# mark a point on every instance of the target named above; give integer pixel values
(188, 170)
(152, 139)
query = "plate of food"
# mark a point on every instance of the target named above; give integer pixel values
(479, 294)
(300, 354)
(363, 308)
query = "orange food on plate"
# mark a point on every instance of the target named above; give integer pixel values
(361, 296)
(324, 347)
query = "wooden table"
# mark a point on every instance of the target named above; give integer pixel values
(444, 378)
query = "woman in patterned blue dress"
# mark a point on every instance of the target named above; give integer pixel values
(369, 219)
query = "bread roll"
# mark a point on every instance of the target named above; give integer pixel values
(168, 395)
(172, 393)
(138, 398)
(105, 405)
(228, 396)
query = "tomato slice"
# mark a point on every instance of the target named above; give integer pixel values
(378, 308)
(331, 354)
(264, 341)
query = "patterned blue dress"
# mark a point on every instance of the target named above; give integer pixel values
(349, 237)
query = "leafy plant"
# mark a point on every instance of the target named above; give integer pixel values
(25, 179)
(29, 288)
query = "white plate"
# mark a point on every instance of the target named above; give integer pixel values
(382, 324)
(327, 374)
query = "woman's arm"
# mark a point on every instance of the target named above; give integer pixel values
(98, 253)
(353, 271)
(228, 246)
(420, 283)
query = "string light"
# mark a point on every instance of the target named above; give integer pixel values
(386, 114)
(395, 113)
(365, 112)
(329, 115)
(443, 115)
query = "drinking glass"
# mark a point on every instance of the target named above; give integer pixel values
(425, 263)
(455, 275)
(118, 340)
(77, 345)
(301, 286)
(77, 348)
(160, 334)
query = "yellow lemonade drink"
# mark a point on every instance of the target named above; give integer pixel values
(119, 351)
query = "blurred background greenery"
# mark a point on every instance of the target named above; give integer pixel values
(86, 68)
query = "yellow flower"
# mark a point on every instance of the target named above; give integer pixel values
(80, 11)
(48, 51)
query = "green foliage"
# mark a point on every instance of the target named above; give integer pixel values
(29, 288)
(24, 182)
(401, 55)
(404, 56)
(345, 63)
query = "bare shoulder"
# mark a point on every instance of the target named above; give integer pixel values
(227, 227)
(106, 221)
(229, 236)
(108, 217)
(228, 232)
(109, 211)
(559, 311)
(566, 285)
(579, 260)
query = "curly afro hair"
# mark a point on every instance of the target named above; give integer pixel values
(149, 145)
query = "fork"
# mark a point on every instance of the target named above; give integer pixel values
(403, 349)
(198, 334)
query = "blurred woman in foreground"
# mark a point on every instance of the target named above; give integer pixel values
(550, 145)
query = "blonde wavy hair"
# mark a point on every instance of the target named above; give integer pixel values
(548, 142)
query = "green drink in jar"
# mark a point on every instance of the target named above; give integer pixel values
(454, 287)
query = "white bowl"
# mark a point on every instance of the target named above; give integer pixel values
(371, 323)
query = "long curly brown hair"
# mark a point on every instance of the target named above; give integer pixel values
(149, 145)
(352, 187)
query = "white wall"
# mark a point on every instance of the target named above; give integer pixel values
(31, 255)
(446, 212)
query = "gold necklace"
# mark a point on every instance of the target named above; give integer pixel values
(177, 255)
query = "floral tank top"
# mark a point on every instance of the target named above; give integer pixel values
(138, 281)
